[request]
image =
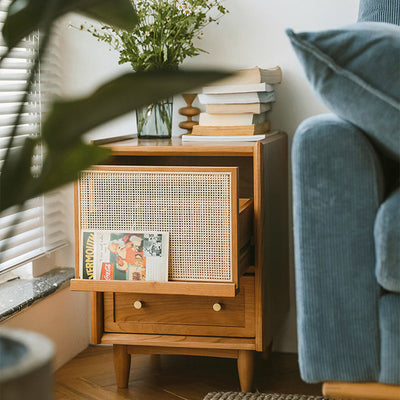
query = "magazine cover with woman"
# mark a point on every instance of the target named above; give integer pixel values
(117, 255)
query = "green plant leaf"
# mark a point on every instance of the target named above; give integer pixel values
(118, 13)
(68, 120)
(16, 174)
(62, 167)
(26, 16)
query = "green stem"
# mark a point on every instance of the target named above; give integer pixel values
(156, 119)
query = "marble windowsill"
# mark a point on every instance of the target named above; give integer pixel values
(17, 294)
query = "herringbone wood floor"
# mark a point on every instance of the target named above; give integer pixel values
(90, 376)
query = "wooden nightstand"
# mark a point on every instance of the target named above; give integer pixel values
(232, 319)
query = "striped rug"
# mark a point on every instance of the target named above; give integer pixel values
(259, 396)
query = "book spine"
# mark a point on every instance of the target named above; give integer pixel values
(233, 89)
(254, 108)
(231, 119)
(237, 98)
(222, 130)
(231, 130)
(225, 119)
(241, 138)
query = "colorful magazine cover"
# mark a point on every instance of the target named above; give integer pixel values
(117, 255)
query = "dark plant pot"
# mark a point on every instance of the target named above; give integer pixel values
(155, 120)
(25, 365)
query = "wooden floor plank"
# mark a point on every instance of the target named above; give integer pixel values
(90, 376)
(80, 388)
(142, 390)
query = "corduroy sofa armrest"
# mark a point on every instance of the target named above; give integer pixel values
(337, 189)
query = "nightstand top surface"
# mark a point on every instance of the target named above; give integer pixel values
(174, 146)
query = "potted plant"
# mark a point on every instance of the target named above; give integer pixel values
(164, 36)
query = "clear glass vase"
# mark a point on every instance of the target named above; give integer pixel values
(155, 120)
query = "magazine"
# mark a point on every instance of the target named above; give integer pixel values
(121, 255)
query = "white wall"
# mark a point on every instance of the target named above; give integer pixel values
(63, 317)
(252, 34)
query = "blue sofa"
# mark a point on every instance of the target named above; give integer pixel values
(346, 211)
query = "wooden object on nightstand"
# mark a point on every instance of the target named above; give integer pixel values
(189, 111)
(206, 318)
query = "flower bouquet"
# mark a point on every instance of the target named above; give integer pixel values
(163, 38)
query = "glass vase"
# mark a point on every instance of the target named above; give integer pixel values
(155, 120)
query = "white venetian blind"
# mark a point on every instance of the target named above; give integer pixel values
(38, 228)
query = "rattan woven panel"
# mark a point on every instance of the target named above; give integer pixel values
(194, 207)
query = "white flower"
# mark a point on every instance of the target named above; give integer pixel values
(147, 33)
(187, 11)
(165, 53)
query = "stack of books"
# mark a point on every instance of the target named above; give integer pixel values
(237, 107)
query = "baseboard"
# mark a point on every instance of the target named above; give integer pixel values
(361, 391)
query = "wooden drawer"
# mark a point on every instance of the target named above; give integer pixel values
(184, 315)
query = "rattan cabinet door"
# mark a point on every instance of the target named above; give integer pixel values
(198, 206)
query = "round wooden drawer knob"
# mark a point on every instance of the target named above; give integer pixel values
(137, 305)
(217, 307)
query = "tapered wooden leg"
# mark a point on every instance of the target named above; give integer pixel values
(122, 364)
(245, 364)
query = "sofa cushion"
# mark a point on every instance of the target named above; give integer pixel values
(380, 11)
(354, 71)
(387, 243)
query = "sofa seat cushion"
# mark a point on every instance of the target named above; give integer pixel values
(389, 324)
(387, 243)
(354, 71)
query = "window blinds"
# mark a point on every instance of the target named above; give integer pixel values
(38, 228)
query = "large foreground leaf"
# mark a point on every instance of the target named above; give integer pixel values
(66, 155)
(118, 13)
(68, 120)
(16, 174)
(17, 184)
(25, 16)
(60, 168)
